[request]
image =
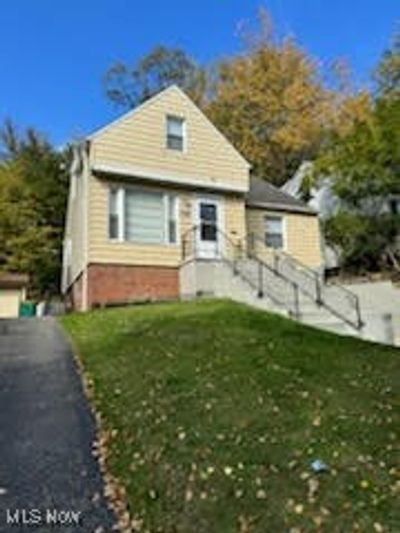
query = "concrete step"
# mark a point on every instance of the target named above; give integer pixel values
(335, 327)
(218, 278)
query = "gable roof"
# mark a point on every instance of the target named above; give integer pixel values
(294, 184)
(264, 195)
(146, 103)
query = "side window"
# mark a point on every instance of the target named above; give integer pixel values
(172, 208)
(113, 215)
(274, 232)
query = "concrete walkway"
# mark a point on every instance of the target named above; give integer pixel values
(49, 480)
(380, 298)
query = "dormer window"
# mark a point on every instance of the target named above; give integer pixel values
(175, 133)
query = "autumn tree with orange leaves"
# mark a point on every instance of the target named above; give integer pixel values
(271, 101)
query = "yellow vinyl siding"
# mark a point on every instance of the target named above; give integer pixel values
(138, 141)
(103, 250)
(301, 234)
(304, 239)
(235, 219)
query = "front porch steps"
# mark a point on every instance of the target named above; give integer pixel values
(239, 282)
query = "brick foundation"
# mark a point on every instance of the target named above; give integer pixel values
(109, 284)
(74, 294)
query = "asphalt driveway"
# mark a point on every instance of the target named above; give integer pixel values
(49, 479)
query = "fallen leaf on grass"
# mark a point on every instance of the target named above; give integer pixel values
(317, 421)
(313, 486)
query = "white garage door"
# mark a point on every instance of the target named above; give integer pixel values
(9, 303)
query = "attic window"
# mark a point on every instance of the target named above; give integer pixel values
(175, 133)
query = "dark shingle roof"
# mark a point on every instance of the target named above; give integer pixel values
(264, 194)
(13, 281)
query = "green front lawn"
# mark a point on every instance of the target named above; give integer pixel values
(217, 410)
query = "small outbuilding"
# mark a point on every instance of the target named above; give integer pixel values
(12, 294)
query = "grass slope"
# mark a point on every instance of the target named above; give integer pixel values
(219, 410)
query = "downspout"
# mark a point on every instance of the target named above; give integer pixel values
(85, 285)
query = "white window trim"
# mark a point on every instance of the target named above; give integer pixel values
(178, 220)
(121, 213)
(121, 189)
(284, 232)
(184, 133)
(166, 200)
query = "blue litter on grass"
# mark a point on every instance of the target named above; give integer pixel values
(319, 466)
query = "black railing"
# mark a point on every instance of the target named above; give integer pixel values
(222, 246)
(337, 299)
(309, 281)
(259, 275)
(273, 274)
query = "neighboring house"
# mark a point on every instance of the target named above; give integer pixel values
(157, 185)
(326, 203)
(324, 200)
(12, 294)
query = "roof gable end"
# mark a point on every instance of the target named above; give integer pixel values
(133, 114)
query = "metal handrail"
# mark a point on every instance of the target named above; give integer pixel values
(238, 252)
(302, 265)
(289, 282)
(195, 228)
(320, 298)
(344, 289)
(277, 255)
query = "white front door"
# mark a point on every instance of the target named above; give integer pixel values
(208, 218)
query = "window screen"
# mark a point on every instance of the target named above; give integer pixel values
(144, 217)
(274, 232)
(175, 133)
(208, 222)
